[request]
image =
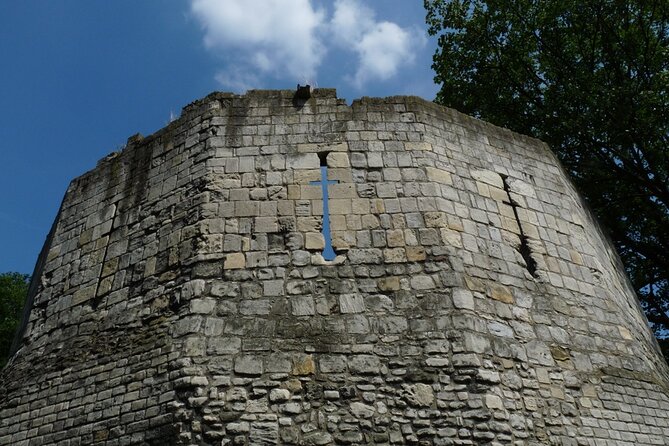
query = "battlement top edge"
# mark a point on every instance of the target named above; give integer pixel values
(411, 103)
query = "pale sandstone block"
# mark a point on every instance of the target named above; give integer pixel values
(338, 159)
(488, 177)
(360, 206)
(105, 285)
(340, 206)
(343, 239)
(149, 267)
(435, 219)
(294, 191)
(83, 294)
(303, 365)
(389, 283)
(498, 194)
(353, 222)
(285, 207)
(247, 208)
(501, 293)
(343, 175)
(309, 224)
(415, 253)
(302, 161)
(309, 192)
(418, 145)
(377, 206)
(342, 190)
(463, 299)
(451, 238)
(308, 148)
(483, 189)
(438, 175)
(422, 282)
(394, 255)
(338, 223)
(234, 260)
(266, 224)
(395, 238)
(306, 176)
(370, 222)
(314, 241)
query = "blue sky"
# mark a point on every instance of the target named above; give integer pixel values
(77, 77)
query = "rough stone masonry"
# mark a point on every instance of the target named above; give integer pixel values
(182, 297)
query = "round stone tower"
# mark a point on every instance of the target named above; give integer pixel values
(281, 268)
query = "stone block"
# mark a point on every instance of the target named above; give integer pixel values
(351, 303)
(279, 395)
(83, 294)
(389, 283)
(395, 238)
(223, 346)
(255, 307)
(314, 241)
(340, 206)
(332, 363)
(463, 299)
(394, 255)
(362, 410)
(501, 293)
(418, 395)
(302, 306)
(302, 161)
(338, 159)
(256, 259)
(303, 365)
(540, 353)
(273, 287)
(418, 145)
(202, 306)
(248, 365)
(235, 260)
(488, 177)
(364, 364)
(247, 208)
(422, 282)
(266, 224)
(438, 175)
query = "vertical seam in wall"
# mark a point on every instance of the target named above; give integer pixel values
(524, 248)
(94, 300)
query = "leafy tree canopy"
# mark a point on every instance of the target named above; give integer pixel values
(13, 292)
(590, 78)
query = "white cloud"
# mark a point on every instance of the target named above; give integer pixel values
(238, 79)
(384, 50)
(350, 21)
(382, 47)
(290, 38)
(275, 37)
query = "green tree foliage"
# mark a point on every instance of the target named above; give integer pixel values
(13, 293)
(590, 78)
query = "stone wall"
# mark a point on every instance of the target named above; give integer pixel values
(183, 297)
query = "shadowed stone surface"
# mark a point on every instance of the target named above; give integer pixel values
(182, 299)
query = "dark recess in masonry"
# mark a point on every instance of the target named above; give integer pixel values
(524, 248)
(302, 95)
